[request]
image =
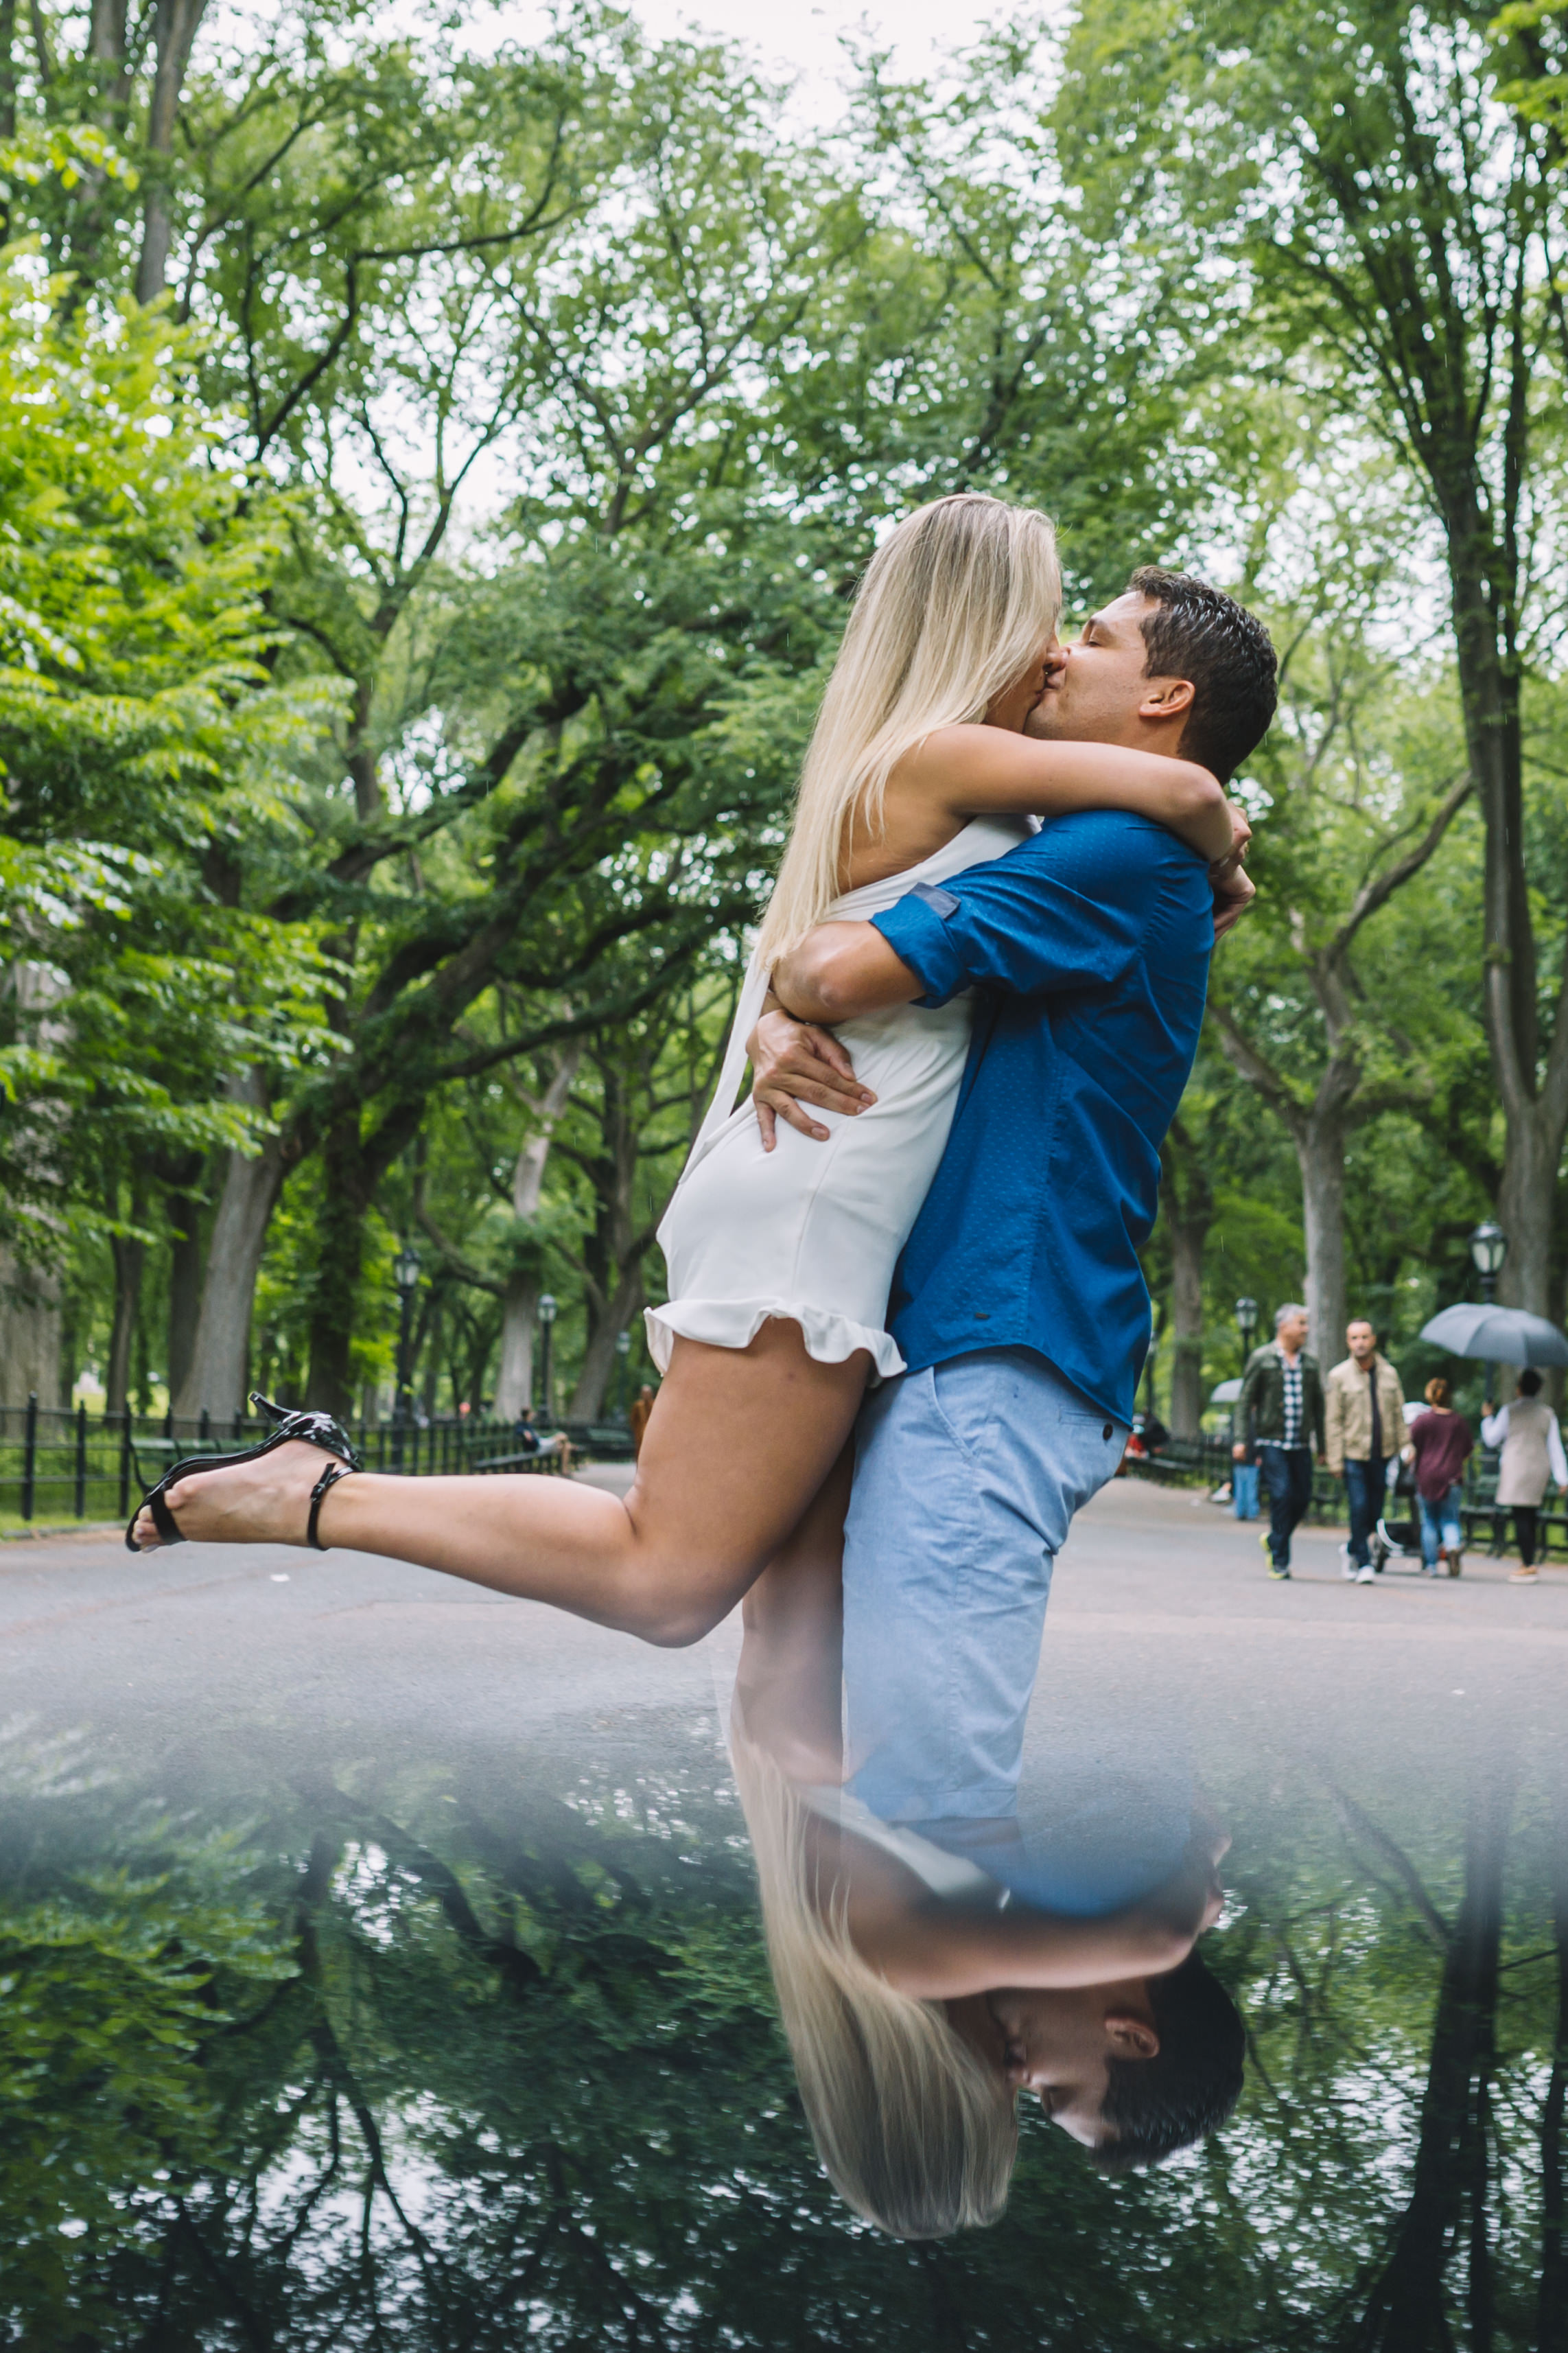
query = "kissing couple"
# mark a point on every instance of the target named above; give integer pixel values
(905, 1312)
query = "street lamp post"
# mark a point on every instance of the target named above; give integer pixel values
(623, 1350)
(1489, 1248)
(406, 1275)
(549, 1309)
(1247, 1324)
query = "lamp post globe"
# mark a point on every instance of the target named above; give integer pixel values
(1489, 1248)
(1247, 1324)
(549, 1309)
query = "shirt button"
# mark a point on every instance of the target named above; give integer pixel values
(1106, 1431)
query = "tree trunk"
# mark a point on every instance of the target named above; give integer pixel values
(1407, 2308)
(1187, 1204)
(7, 75)
(1321, 1153)
(184, 1210)
(1535, 1103)
(1552, 2293)
(599, 1356)
(514, 1377)
(347, 1186)
(1526, 1198)
(129, 1255)
(31, 1335)
(215, 1378)
(1188, 1236)
(175, 29)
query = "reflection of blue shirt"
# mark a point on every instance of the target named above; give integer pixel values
(1089, 946)
(1087, 1846)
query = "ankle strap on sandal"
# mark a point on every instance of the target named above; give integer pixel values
(328, 1478)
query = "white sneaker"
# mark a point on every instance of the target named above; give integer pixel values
(1366, 1576)
(1347, 1565)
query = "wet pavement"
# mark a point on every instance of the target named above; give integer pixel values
(381, 1965)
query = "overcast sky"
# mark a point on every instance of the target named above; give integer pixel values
(802, 37)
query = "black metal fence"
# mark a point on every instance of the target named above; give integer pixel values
(62, 1462)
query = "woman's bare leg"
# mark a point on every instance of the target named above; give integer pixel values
(739, 1438)
(789, 1686)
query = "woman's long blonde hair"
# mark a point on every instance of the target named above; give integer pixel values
(913, 2131)
(954, 606)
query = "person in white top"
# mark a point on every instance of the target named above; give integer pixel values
(1532, 1444)
(781, 1259)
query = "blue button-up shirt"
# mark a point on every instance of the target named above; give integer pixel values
(1090, 946)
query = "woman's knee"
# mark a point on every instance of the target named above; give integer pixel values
(676, 1625)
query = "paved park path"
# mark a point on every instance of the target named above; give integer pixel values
(1163, 1627)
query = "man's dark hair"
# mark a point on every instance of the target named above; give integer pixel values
(1529, 1382)
(1225, 652)
(1155, 2106)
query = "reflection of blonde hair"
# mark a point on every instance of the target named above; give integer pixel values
(955, 604)
(914, 2133)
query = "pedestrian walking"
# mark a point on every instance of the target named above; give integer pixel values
(1438, 1443)
(642, 1406)
(1244, 1490)
(1532, 1444)
(1364, 1415)
(1279, 1413)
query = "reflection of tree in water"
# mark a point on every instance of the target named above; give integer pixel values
(413, 2067)
(1407, 2308)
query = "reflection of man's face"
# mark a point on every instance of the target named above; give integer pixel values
(1058, 2043)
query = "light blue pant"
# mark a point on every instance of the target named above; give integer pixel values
(1244, 1490)
(1441, 1525)
(966, 1478)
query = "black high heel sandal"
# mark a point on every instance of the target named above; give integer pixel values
(312, 1429)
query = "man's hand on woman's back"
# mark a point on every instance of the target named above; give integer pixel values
(794, 1063)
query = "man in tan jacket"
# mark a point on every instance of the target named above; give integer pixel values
(1364, 1415)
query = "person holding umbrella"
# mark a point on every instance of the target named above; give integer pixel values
(1526, 1429)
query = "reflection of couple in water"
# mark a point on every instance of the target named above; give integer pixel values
(906, 1312)
(935, 1953)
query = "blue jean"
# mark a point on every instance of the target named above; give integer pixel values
(1244, 1490)
(967, 1475)
(1365, 1483)
(1287, 1474)
(1441, 1524)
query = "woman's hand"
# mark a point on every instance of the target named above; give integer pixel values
(1233, 886)
(794, 1063)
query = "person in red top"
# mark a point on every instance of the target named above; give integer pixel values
(1439, 1441)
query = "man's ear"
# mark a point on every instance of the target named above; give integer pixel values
(1130, 2036)
(1166, 698)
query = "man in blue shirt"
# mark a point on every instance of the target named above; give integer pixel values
(1019, 1304)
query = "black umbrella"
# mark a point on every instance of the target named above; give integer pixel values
(1502, 1335)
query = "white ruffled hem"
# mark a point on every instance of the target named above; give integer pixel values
(736, 1324)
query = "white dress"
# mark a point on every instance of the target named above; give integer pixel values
(811, 1232)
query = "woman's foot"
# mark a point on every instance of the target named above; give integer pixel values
(266, 1502)
(1525, 1577)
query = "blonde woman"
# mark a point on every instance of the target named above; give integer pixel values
(780, 1262)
